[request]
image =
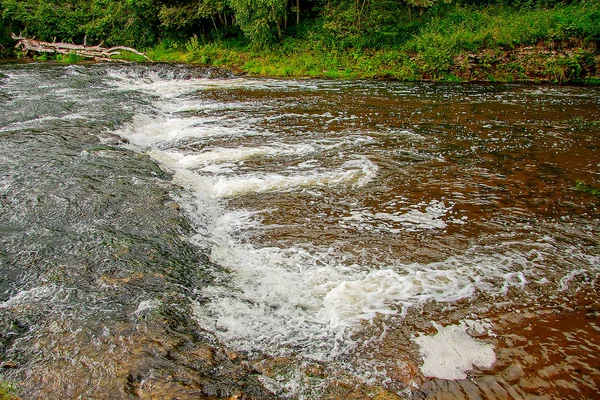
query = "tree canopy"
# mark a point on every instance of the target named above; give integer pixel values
(349, 23)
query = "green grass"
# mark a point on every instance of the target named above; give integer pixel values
(163, 54)
(8, 391)
(301, 61)
(584, 187)
(70, 58)
(129, 56)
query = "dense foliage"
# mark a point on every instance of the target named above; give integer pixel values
(345, 23)
(399, 38)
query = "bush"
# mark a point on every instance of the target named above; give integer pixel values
(471, 29)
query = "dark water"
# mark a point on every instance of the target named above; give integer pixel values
(181, 233)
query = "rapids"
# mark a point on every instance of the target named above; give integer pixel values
(171, 231)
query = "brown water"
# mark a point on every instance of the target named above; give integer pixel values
(333, 225)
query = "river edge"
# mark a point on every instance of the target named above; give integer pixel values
(556, 62)
(571, 62)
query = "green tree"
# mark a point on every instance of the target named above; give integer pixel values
(128, 22)
(262, 21)
(181, 19)
(421, 5)
(48, 19)
(5, 30)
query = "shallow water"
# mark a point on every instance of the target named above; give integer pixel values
(169, 231)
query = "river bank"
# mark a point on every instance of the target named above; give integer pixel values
(452, 43)
(544, 62)
(459, 42)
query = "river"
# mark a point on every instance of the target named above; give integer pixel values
(178, 232)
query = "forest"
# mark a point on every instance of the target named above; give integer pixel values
(453, 40)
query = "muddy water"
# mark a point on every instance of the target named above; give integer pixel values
(173, 232)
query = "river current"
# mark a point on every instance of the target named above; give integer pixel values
(177, 232)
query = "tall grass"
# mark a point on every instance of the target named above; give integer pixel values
(472, 29)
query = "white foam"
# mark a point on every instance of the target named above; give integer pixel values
(270, 301)
(353, 173)
(309, 164)
(36, 294)
(146, 131)
(434, 215)
(145, 308)
(303, 298)
(168, 88)
(382, 291)
(566, 280)
(452, 352)
(214, 155)
(176, 88)
(310, 300)
(431, 218)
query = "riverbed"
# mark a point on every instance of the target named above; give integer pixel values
(169, 231)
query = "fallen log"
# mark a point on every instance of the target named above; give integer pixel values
(90, 52)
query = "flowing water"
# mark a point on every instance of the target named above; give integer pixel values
(171, 232)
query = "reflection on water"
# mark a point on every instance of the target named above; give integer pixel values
(331, 228)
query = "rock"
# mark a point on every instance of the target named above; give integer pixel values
(315, 371)
(8, 364)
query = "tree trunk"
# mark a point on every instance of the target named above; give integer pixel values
(94, 52)
(278, 22)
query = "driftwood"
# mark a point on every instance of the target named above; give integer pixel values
(91, 52)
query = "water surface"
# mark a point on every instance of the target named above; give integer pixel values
(183, 232)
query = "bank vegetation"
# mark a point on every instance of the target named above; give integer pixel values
(441, 40)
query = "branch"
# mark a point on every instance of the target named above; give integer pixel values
(94, 52)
